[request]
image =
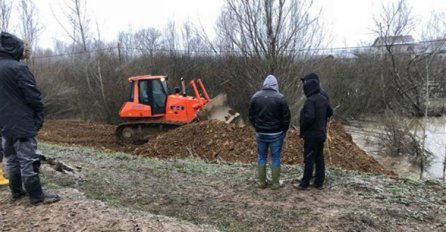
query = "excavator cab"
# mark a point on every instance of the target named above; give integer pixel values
(148, 97)
(153, 92)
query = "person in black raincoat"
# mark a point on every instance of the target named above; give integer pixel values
(313, 129)
(21, 117)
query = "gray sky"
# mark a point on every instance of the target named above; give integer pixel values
(351, 21)
(348, 21)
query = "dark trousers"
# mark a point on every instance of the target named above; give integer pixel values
(313, 154)
(21, 157)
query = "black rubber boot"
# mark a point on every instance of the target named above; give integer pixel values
(16, 186)
(36, 195)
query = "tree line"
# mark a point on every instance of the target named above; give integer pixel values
(86, 78)
(253, 38)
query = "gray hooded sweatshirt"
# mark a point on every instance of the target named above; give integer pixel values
(268, 110)
(271, 83)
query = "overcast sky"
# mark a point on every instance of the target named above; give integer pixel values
(348, 21)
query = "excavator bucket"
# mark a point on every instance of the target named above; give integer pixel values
(218, 109)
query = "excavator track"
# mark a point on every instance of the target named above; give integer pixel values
(140, 132)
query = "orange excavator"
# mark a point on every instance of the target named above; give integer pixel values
(152, 110)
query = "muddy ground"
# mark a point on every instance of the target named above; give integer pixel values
(77, 213)
(212, 141)
(120, 192)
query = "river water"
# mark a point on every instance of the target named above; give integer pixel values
(365, 134)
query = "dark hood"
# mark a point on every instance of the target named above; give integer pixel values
(11, 46)
(311, 87)
(311, 76)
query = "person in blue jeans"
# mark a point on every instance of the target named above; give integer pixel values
(270, 115)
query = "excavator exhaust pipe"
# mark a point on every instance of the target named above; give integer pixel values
(183, 87)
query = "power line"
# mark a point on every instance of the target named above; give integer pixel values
(208, 51)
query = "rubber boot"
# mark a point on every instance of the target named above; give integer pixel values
(36, 195)
(16, 186)
(262, 176)
(276, 178)
(3, 180)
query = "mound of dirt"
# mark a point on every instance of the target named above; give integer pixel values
(215, 140)
(212, 141)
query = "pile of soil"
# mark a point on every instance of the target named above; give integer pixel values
(216, 140)
(212, 141)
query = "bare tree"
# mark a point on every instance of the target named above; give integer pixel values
(405, 138)
(395, 20)
(76, 13)
(30, 27)
(77, 29)
(170, 36)
(267, 37)
(393, 23)
(192, 40)
(5, 14)
(147, 41)
(269, 29)
(126, 50)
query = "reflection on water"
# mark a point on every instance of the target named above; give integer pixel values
(436, 143)
(364, 133)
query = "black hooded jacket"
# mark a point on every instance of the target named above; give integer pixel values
(315, 113)
(313, 76)
(21, 108)
(268, 110)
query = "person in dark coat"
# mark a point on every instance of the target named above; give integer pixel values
(313, 129)
(21, 117)
(269, 114)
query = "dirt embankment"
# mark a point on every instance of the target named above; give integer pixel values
(212, 141)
